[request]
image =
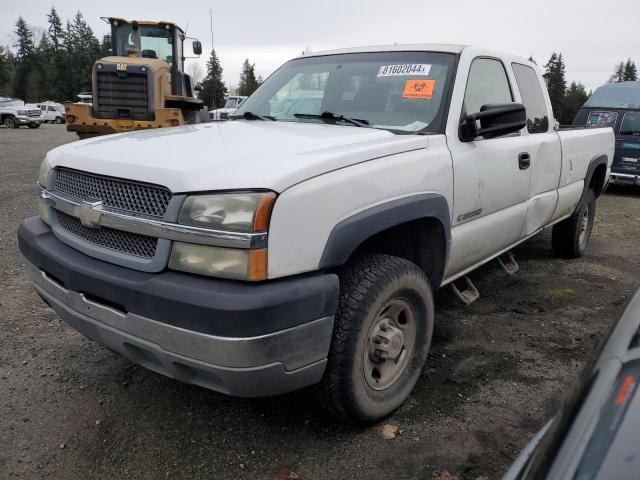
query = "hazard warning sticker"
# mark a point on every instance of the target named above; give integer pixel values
(419, 89)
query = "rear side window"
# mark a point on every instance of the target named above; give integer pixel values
(630, 124)
(487, 84)
(602, 119)
(532, 98)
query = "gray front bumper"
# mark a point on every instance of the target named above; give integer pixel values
(265, 365)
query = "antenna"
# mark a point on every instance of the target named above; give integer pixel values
(215, 88)
(211, 26)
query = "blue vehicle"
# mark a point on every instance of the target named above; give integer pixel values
(617, 105)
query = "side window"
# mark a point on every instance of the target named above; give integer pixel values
(532, 98)
(487, 84)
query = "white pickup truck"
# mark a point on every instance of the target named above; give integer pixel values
(14, 113)
(282, 250)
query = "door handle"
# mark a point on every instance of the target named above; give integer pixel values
(524, 161)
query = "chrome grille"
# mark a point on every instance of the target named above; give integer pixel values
(34, 113)
(116, 194)
(122, 95)
(123, 242)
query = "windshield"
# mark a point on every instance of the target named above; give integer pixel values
(403, 92)
(232, 102)
(154, 42)
(630, 124)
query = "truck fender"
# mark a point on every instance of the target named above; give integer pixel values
(351, 232)
(593, 165)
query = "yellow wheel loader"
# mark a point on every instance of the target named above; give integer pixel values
(142, 85)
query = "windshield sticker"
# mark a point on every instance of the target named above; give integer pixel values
(602, 119)
(419, 89)
(404, 70)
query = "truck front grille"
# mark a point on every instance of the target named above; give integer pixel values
(117, 194)
(121, 95)
(118, 240)
(34, 113)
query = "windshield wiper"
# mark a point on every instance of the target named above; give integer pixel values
(255, 116)
(332, 116)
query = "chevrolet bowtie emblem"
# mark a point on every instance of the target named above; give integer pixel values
(89, 214)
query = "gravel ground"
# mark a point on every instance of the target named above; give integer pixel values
(497, 371)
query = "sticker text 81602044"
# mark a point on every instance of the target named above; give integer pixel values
(404, 70)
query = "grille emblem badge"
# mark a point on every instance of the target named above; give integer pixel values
(89, 214)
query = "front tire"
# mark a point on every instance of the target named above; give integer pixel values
(381, 338)
(10, 122)
(571, 237)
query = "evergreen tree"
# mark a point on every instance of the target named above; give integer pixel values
(573, 100)
(630, 73)
(556, 82)
(212, 90)
(25, 59)
(248, 82)
(56, 60)
(82, 49)
(6, 71)
(618, 74)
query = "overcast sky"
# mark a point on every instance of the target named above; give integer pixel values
(592, 34)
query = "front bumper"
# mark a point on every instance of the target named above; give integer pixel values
(240, 339)
(28, 120)
(624, 179)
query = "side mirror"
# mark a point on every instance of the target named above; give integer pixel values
(197, 47)
(495, 120)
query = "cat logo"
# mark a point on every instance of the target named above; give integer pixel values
(121, 67)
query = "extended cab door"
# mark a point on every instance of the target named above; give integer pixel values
(544, 149)
(491, 176)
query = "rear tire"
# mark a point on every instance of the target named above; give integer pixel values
(381, 338)
(34, 125)
(10, 122)
(571, 236)
(59, 120)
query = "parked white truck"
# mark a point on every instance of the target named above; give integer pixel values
(278, 251)
(14, 114)
(230, 106)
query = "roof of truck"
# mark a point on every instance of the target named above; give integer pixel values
(426, 47)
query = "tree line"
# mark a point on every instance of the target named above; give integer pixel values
(567, 100)
(55, 63)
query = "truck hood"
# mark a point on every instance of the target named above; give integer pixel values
(231, 155)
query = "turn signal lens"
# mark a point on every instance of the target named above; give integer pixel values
(219, 262)
(71, 119)
(175, 123)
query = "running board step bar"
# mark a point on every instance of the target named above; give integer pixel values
(468, 294)
(508, 263)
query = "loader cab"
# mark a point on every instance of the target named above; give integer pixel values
(154, 40)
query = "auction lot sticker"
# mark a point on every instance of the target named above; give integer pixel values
(404, 70)
(419, 89)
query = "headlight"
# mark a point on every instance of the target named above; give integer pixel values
(219, 262)
(43, 174)
(22, 112)
(237, 212)
(244, 212)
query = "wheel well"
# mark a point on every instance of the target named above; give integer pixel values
(421, 241)
(597, 179)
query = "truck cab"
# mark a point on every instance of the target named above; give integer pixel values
(617, 105)
(232, 103)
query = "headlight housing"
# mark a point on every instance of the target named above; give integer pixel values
(239, 212)
(22, 112)
(235, 212)
(43, 174)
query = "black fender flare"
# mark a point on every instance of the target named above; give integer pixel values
(594, 163)
(351, 232)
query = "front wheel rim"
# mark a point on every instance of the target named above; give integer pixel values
(390, 343)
